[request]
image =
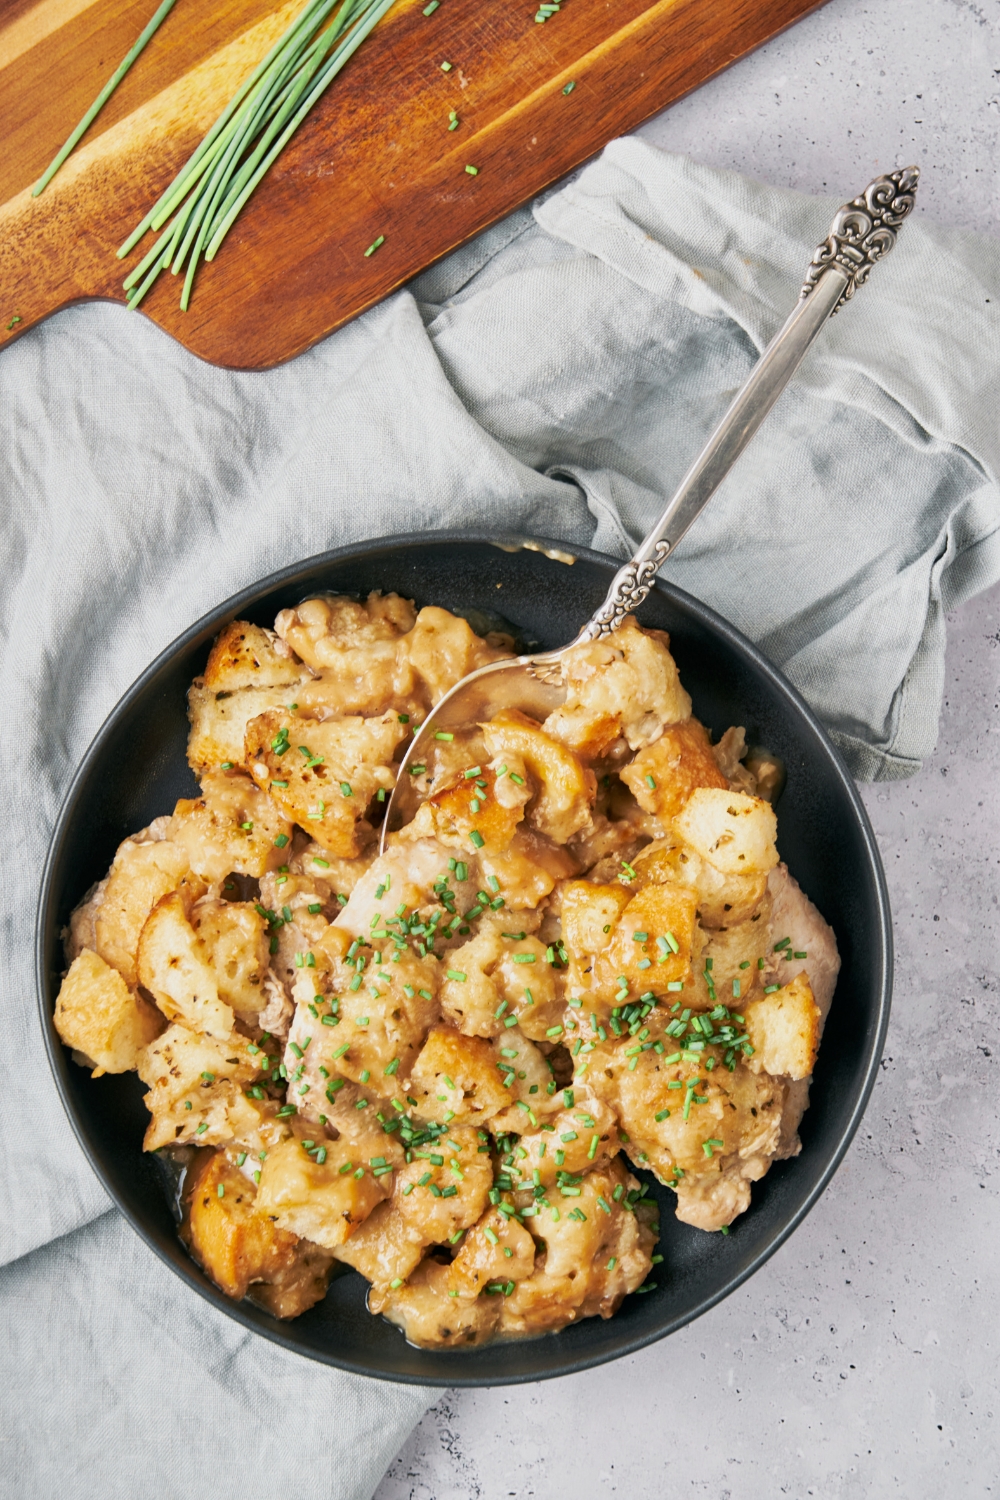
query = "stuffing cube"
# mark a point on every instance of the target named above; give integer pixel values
(324, 1201)
(664, 774)
(385, 1248)
(98, 1015)
(730, 830)
(443, 648)
(249, 671)
(455, 1077)
(197, 1089)
(143, 872)
(238, 1246)
(473, 804)
(174, 965)
(590, 911)
(234, 937)
(624, 686)
(564, 789)
(783, 1028)
(445, 1188)
(495, 1249)
(653, 944)
(232, 826)
(323, 775)
(432, 1319)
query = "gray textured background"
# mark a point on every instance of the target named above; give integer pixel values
(862, 1361)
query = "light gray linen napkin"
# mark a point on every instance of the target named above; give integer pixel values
(554, 378)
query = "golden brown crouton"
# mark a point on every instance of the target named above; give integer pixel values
(323, 775)
(238, 1246)
(654, 940)
(443, 648)
(473, 804)
(664, 774)
(235, 939)
(249, 671)
(174, 965)
(456, 1076)
(625, 685)
(589, 913)
(323, 1200)
(196, 1088)
(495, 1249)
(783, 1028)
(246, 656)
(233, 825)
(733, 832)
(98, 1016)
(142, 872)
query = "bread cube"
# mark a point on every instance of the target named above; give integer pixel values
(495, 1249)
(432, 1319)
(591, 1259)
(573, 1139)
(664, 774)
(174, 966)
(219, 723)
(98, 1015)
(331, 770)
(141, 874)
(232, 826)
(590, 912)
(654, 941)
(464, 806)
(234, 936)
(497, 978)
(730, 830)
(437, 1199)
(784, 1029)
(528, 869)
(443, 648)
(564, 789)
(625, 685)
(249, 671)
(247, 656)
(323, 1201)
(385, 1248)
(455, 1078)
(197, 1089)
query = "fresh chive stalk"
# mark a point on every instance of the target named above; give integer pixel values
(215, 184)
(103, 97)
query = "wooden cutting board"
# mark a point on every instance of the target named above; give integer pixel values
(375, 157)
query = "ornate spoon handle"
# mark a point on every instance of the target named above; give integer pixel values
(862, 233)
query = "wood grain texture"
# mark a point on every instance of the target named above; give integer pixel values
(375, 157)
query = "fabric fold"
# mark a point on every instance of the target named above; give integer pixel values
(553, 379)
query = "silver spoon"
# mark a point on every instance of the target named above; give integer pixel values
(862, 232)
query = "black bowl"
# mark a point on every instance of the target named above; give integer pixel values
(136, 768)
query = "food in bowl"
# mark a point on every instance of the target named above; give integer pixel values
(438, 1066)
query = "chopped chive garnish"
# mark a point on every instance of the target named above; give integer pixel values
(137, 46)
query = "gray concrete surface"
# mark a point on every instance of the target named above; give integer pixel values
(861, 1363)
